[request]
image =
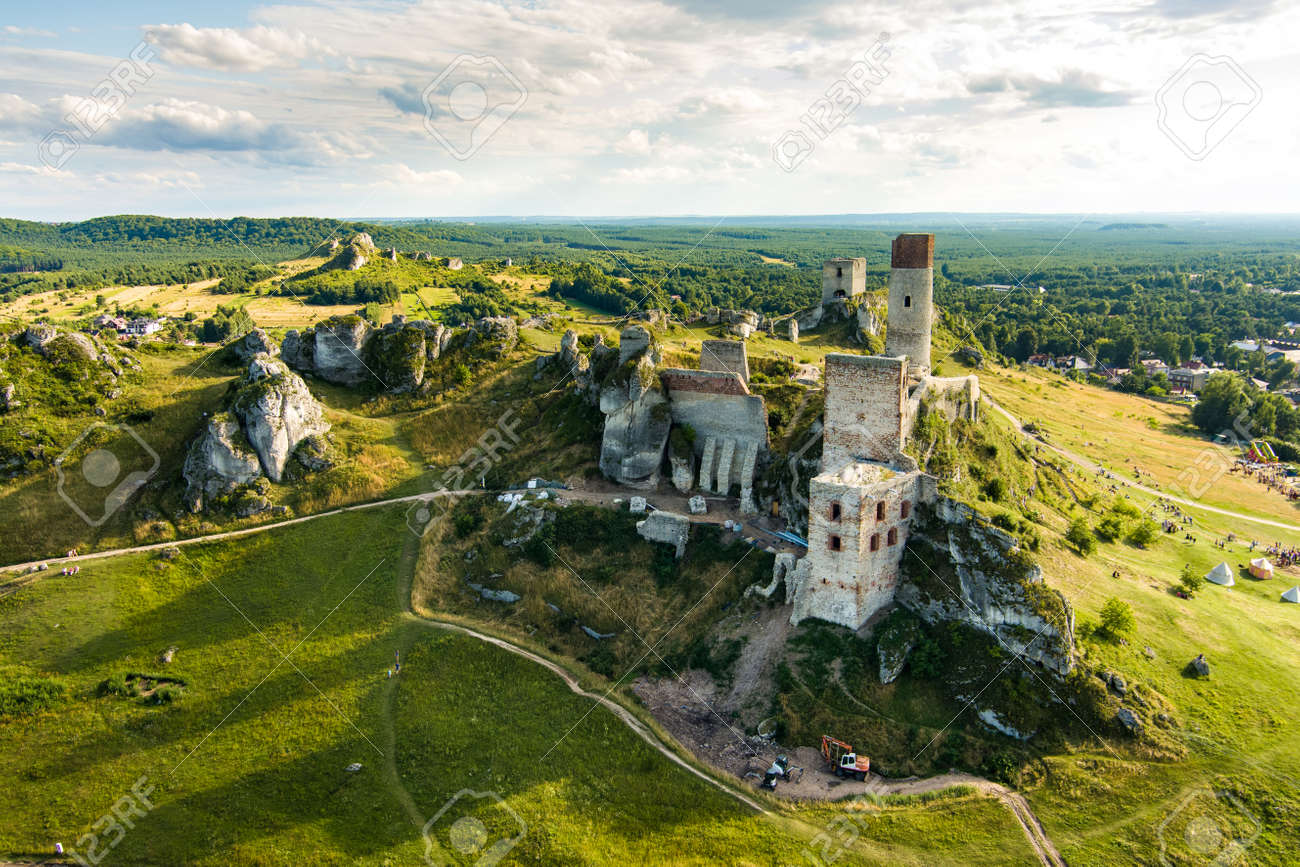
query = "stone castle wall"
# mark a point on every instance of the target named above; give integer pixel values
(911, 300)
(725, 355)
(865, 413)
(843, 278)
(859, 520)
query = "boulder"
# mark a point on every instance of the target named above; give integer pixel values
(7, 400)
(898, 637)
(1199, 666)
(568, 355)
(337, 350)
(255, 342)
(1131, 722)
(277, 412)
(637, 423)
(38, 334)
(218, 461)
(314, 453)
(992, 585)
(501, 333)
(792, 329)
(637, 504)
(697, 505)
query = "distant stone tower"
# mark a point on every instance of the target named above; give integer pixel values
(843, 278)
(911, 301)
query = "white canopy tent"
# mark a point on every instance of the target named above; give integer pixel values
(1292, 595)
(1221, 575)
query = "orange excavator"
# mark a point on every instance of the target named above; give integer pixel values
(843, 761)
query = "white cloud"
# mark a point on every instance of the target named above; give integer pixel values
(676, 104)
(248, 50)
(14, 30)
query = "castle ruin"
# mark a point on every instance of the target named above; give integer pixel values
(860, 505)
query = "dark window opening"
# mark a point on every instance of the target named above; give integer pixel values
(835, 511)
(875, 541)
(839, 272)
(839, 293)
(892, 538)
(835, 543)
(880, 511)
(907, 300)
(906, 508)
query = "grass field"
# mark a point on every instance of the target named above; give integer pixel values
(248, 762)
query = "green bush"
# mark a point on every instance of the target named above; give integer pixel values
(1081, 537)
(1117, 619)
(1190, 580)
(1144, 534)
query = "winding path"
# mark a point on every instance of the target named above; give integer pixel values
(1019, 808)
(1093, 466)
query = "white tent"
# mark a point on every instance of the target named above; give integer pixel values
(1221, 575)
(1292, 595)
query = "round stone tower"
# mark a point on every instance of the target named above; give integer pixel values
(911, 301)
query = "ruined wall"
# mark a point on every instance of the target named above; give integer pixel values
(858, 525)
(730, 428)
(725, 355)
(957, 397)
(911, 300)
(843, 278)
(865, 409)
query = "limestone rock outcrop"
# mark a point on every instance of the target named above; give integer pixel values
(337, 346)
(218, 461)
(254, 343)
(637, 422)
(976, 574)
(277, 412)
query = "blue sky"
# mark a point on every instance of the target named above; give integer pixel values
(438, 108)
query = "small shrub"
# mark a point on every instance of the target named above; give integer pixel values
(1190, 581)
(927, 659)
(1080, 535)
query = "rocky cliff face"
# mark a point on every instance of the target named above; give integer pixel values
(254, 343)
(337, 347)
(637, 418)
(967, 571)
(277, 412)
(218, 461)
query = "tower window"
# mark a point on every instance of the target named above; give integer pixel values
(906, 509)
(892, 538)
(834, 543)
(835, 511)
(880, 511)
(907, 300)
(839, 272)
(875, 541)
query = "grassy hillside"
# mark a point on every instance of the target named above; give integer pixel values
(248, 756)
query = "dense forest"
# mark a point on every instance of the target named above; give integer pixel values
(1111, 289)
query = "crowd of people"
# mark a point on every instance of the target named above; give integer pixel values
(1272, 476)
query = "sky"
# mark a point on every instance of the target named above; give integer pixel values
(596, 108)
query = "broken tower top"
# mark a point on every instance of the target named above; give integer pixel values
(912, 250)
